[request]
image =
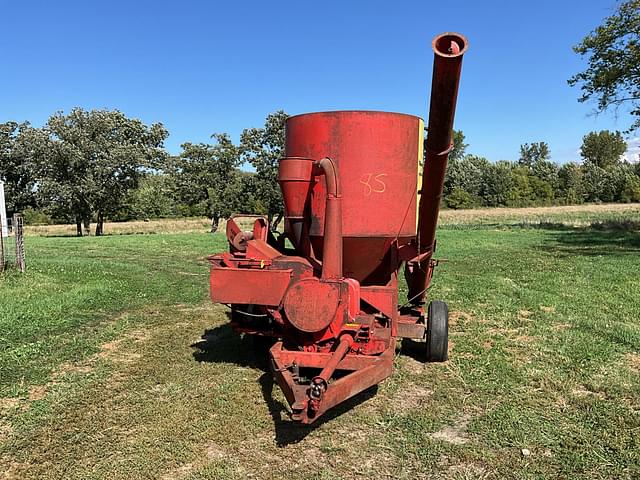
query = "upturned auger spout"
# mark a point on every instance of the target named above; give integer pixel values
(352, 198)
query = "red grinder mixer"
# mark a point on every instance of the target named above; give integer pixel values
(356, 211)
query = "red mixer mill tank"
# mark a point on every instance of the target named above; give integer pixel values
(356, 212)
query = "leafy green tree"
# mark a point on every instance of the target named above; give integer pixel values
(250, 203)
(497, 183)
(455, 157)
(467, 174)
(263, 148)
(597, 183)
(460, 199)
(631, 189)
(521, 193)
(570, 184)
(206, 175)
(604, 148)
(17, 165)
(543, 194)
(623, 182)
(453, 177)
(530, 154)
(63, 179)
(612, 77)
(459, 146)
(33, 216)
(547, 172)
(154, 198)
(93, 159)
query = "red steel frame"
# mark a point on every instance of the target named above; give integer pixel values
(331, 302)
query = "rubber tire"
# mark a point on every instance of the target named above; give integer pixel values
(437, 334)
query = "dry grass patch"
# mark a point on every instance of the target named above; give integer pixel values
(72, 369)
(456, 315)
(524, 314)
(37, 392)
(412, 365)
(9, 404)
(467, 471)
(632, 360)
(411, 397)
(583, 391)
(456, 433)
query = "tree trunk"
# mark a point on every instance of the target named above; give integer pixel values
(214, 223)
(78, 227)
(87, 226)
(99, 225)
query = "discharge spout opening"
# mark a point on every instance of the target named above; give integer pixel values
(449, 45)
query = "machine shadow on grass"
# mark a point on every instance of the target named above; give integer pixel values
(222, 345)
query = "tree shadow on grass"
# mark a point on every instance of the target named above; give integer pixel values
(222, 345)
(592, 241)
(606, 237)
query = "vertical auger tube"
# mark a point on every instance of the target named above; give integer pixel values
(332, 246)
(448, 50)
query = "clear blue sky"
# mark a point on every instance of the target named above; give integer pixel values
(203, 66)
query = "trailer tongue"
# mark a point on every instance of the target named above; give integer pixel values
(356, 211)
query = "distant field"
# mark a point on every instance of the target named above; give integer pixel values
(575, 215)
(180, 225)
(114, 364)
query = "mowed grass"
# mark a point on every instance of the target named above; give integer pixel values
(115, 365)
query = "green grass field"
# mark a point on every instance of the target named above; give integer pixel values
(113, 364)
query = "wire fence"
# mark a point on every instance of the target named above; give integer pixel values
(12, 253)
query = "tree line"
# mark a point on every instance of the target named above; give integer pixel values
(87, 166)
(534, 180)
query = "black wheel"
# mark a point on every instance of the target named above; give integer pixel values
(437, 334)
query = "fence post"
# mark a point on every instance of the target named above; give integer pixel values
(2, 259)
(18, 231)
(3, 213)
(4, 231)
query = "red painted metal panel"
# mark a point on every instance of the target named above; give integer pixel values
(376, 154)
(249, 286)
(311, 305)
(377, 157)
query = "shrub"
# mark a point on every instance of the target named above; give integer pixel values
(460, 199)
(631, 190)
(33, 216)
